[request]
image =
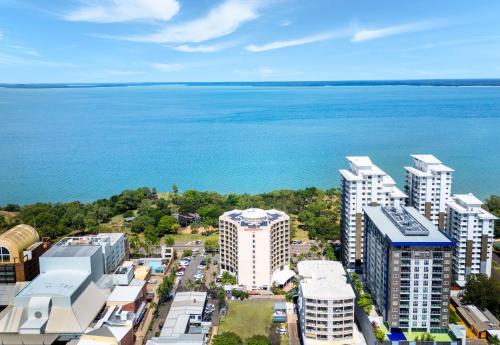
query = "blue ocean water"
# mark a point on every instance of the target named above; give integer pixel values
(59, 144)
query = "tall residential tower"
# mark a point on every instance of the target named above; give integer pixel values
(254, 244)
(363, 184)
(472, 229)
(408, 268)
(428, 185)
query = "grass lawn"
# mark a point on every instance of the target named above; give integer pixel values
(181, 238)
(247, 318)
(437, 336)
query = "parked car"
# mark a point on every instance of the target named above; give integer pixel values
(179, 273)
(184, 263)
(182, 268)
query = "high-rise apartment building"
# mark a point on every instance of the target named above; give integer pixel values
(363, 184)
(408, 265)
(254, 244)
(471, 228)
(428, 185)
(326, 303)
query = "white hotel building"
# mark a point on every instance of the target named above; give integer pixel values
(363, 184)
(472, 229)
(254, 245)
(428, 185)
(325, 304)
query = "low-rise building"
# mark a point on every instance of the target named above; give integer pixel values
(184, 323)
(471, 227)
(408, 268)
(20, 248)
(61, 302)
(130, 297)
(325, 304)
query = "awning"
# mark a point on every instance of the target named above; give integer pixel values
(282, 277)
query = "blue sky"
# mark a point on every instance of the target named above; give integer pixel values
(246, 40)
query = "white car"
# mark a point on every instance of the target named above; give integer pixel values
(184, 263)
(179, 273)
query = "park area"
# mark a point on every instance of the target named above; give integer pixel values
(249, 317)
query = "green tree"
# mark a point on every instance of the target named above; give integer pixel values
(140, 223)
(227, 338)
(492, 204)
(151, 235)
(3, 223)
(328, 253)
(168, 225)
(258, 340)
(187, 252)
(211, 244)
(210, 214)
(12, 208)
(483, 292)
(494, 340)
(228, 278)
(169, 241)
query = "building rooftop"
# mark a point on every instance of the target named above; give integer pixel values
(424, 165)
(72, 251)
(183, 305)
(324, 279)
(254, 217)
(17, 239)
(428, 159)
(55, 283)
(468, 203)
(406, 226)
(126, 293)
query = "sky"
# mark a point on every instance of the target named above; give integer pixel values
(70, 41)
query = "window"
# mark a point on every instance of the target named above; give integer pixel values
(4, 255)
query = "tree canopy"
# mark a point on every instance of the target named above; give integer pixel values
(227, 338)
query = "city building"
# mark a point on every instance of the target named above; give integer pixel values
(116, 327)
(428, 185)
(408, 268)
(114, 247)
(20, 248)
(479, 322)
(130, 297)
(61, 302)
(363, 184)
(167, 252)
(325, 303)
(254, 244)
(185, 323)
(472, 229)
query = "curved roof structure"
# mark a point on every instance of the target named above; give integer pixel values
(18, 239)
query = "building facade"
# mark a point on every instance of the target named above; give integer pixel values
(254, 244)
(325, 303)
(428, 185)
(114, 247)
(363, 184)
(20, 249)
(408, 268)
(472, 229)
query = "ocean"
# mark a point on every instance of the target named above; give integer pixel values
(75, 142)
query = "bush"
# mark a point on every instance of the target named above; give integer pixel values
(227, 338)
(258, 340)
(240, 294)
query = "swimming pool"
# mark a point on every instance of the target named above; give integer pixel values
(156, 266)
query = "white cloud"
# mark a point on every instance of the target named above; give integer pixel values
(114, 11)
(186, 48)
(285, 23)
(299, 41)
(222, 20)
(366, 35)
(24, 50)
(167, 67)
